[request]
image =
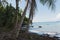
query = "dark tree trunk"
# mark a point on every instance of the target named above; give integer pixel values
(22, 18)
(30, 15)
(14, 32)
(18, 26)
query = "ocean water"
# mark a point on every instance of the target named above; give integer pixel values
(46, 27)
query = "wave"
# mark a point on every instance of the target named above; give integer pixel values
(51, 34)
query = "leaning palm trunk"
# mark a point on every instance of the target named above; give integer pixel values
(22, 18)
(18, 27)
(16, 22)
(16, 15)
(32, 9)
(33, 5)
(29, 22)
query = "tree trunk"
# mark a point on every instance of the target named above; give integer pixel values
(30, 15)
(22, 18)
(18, 26)
(16, 15)
(14, 36)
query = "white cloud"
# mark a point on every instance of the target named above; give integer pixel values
(47, 19)
(58, 17)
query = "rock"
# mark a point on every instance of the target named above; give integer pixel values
(40, 26)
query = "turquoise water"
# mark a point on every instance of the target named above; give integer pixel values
(53, 27)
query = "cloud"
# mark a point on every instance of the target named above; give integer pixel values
(58, 17)
(53, 18)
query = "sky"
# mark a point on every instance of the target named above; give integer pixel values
(43, 13)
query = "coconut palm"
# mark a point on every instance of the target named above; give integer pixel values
(14, 31)
(17, 1)
(50, 3)
(32, 9)
(22, 17)
(32, 4)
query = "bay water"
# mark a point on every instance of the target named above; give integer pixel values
(46, 27)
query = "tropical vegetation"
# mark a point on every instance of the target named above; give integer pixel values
(11, 18)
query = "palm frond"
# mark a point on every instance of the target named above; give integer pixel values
(4, 1)
(50, 3)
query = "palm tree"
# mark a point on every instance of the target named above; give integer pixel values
(50, 3)
(32, 4)
(32, 9)
(16, 30)
(22, 17)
